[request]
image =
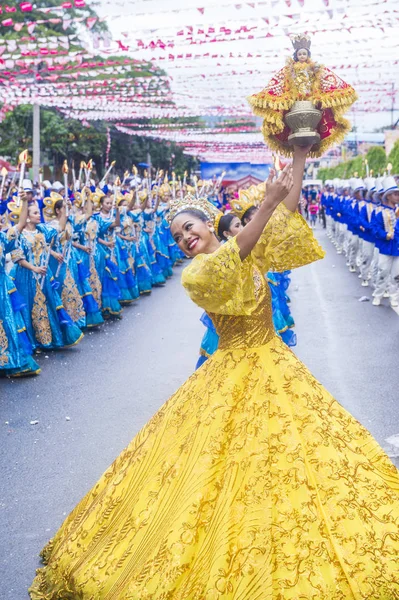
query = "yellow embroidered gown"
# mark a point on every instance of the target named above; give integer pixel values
(250, 483)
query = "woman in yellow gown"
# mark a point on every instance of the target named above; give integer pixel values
(251, 482)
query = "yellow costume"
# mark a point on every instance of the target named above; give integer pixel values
(250, 483)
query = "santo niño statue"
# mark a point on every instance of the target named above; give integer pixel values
(303, 87)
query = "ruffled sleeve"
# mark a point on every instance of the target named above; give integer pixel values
(223, 284)
(220, 282)
(286, 243)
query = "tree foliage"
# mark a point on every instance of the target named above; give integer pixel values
(376, 159)
(393, 158)
(63, 138)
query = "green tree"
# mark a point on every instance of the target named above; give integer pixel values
(393, 158)
(61, 138)
(377, 159)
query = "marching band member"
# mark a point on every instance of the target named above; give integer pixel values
(386, 232)
(366, 232)
(352, 219)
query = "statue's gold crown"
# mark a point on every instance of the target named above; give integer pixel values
(301, 41)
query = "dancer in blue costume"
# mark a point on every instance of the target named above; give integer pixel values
(105, 258)
(83, 259)
(160, 240)
(282, 318)
(161, 246)
(48, 323)
(123, 250)
(171, 249)
(63, 263)
(15, 347)
(147, 232)
(143, 263)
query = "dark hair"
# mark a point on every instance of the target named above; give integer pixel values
(248, 213)
(224, 225)
(296, 53)
(194, 212)
(58, 206)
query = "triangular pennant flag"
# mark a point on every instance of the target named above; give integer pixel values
(91, 21)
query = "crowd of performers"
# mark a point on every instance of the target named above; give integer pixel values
(363, 224)
(68, 263)
(70, 260)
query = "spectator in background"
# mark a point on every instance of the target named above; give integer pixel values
(313, 208)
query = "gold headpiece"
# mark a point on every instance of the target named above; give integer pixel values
(128, 197)
(245, 202)
(143, 196)
(14, 214)
(49, 204)
(119, 198)
(190, 202)
(216, 220)
(301, 41)
(164, 190)
(96, 199)
(78, 199)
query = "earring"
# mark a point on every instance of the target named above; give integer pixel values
(28, 220)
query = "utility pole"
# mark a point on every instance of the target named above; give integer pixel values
(36, 141)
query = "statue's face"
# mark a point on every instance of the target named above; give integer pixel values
(302, 55)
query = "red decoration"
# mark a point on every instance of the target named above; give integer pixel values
(26, 6)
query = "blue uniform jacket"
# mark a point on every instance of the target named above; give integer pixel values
(380, 221)
(365, 221)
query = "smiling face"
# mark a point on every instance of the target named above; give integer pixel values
(302, 55)
(193, 234)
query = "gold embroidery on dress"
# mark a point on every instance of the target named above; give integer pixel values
(3, 346)
(94, 281)
(250, 483)
(71, 298)
(40, 319)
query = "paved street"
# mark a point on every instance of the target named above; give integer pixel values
(91, 400)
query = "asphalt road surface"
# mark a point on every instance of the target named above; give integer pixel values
(91, 400)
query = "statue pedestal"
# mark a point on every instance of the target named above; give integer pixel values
(303, 119)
